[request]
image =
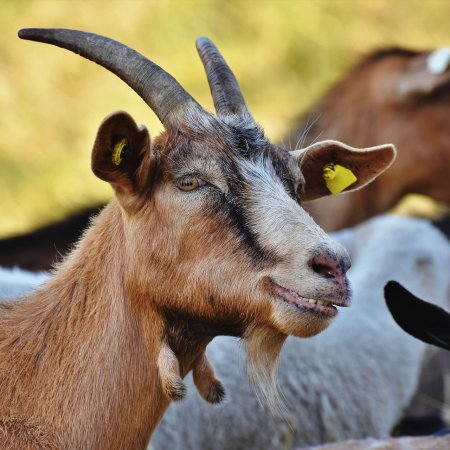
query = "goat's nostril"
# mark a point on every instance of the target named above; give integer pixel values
(323, 270)
(330, 266)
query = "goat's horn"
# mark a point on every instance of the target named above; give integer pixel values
(224, 86)
(165, 96)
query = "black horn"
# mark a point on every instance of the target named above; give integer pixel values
(165, 96)
(224, 86)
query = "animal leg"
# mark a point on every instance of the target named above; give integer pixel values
(208, 386)
(169, 371)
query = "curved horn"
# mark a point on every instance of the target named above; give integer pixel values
(165, 96)
(224, 86)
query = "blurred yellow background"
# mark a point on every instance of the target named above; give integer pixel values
(284, 54)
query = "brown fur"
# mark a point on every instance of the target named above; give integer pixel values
(82, 343)
(389, 97)
(75, 348)
(208, 386)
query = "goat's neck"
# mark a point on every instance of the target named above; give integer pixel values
(87, 351)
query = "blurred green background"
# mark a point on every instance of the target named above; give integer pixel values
(284, 54)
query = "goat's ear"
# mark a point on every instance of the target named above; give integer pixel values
(424, 75)
(121, 156)
(421, 319)
(364, 164)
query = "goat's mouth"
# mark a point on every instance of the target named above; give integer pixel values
(293, 298)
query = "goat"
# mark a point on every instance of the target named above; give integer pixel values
(430, 324)
(395, 95)
(353, 380)
(205, 236)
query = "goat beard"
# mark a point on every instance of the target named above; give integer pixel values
(263, 346)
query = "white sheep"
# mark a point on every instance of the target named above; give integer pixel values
(353, 380)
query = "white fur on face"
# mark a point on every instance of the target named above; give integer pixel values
(284, 229)
(274, 215)
(282, 226)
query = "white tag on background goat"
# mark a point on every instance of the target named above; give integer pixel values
(439, 61)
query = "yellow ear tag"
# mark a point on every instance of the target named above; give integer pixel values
(117, 152)
(337, 178)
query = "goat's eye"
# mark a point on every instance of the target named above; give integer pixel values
(189, 184)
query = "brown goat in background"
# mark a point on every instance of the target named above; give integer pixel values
(205, 236)
(391, 96)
